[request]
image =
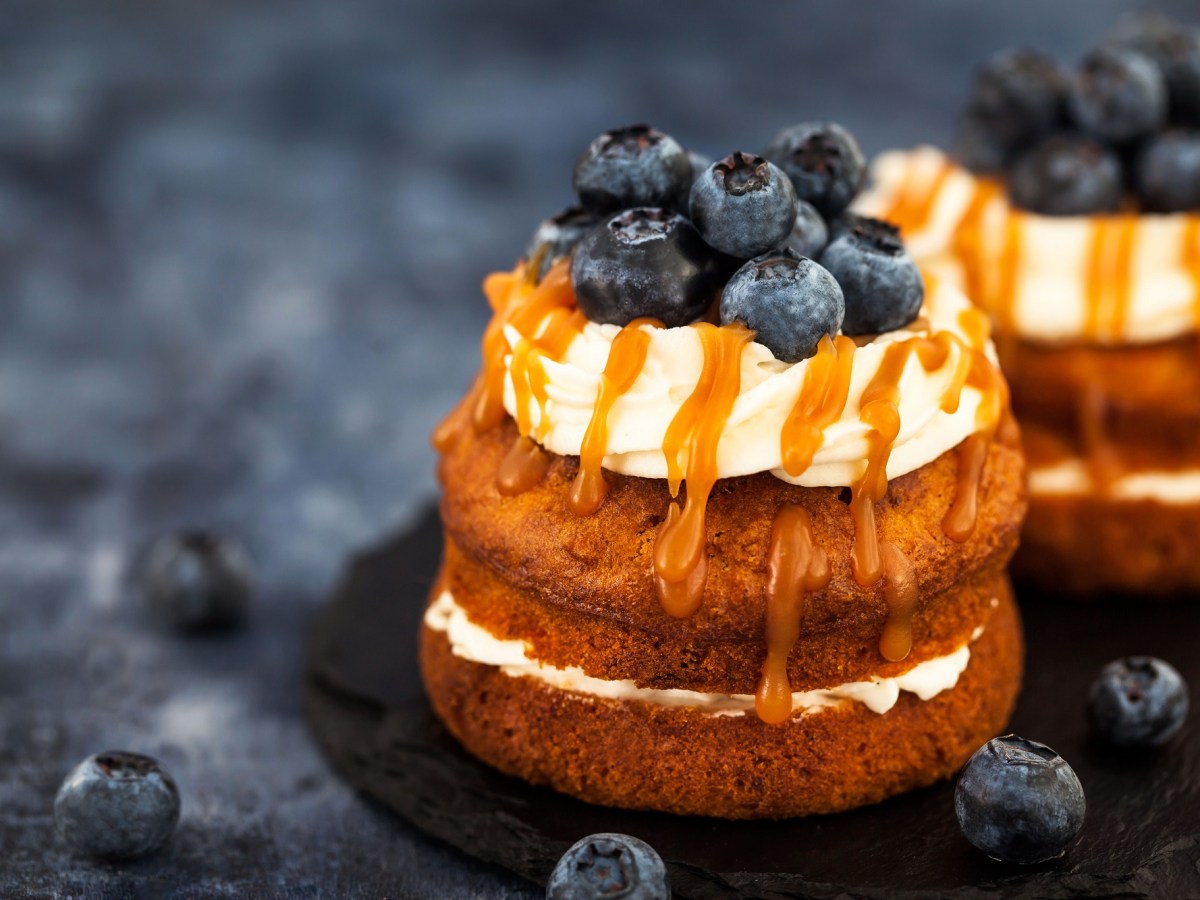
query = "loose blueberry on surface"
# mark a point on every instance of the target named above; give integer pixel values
(1067, 175)
(743, 205)
(1017, 96)
(1175, 49)
(1119, 95)
(633, 166)
(609, 865)
(197, 580)
(809, 233)
(1018, 801)
(1168, 172)
(882, 285)
(1139, 701)
(557, 236)
(117, 805)
(824, 162)
(645, 262)
(788, 301)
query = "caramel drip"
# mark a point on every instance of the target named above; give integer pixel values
(626, 357)
(679, 548)
(914, 202)
(523, 467)
(1121, 283)
(1191, 261)
(880, 410)
(796, 566)
(821, 401)
(1002, 303)
(967, 244)
(959, 523)
(1108, 282)
(900, 592)
(528, 371)
(517, 302)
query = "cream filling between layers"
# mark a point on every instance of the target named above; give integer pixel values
(750, 441)
(1071, 477)
(475, 644)
(1050, 296)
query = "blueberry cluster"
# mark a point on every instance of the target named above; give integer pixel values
(761, 240)
(1125, 124)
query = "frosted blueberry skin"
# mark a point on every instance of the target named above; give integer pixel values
(1138, 701)
(1017, 97)
(632, 166)
(1168, 172)
(788, 301)
(1118, 95)
(117, 805)
(883, 287)
(1175, 49)
(197, 581)
(1068, 175)
(603, 866)
(1018, 801)
(824, 162)
(743, 205)
(645, 262)
(809, 233)
(557, 236)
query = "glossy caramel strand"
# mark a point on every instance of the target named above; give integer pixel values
(821, 401)
(900, 592)
(914, 202)
(626, 357)
(796, 566)
(523, 467)
(694, 435)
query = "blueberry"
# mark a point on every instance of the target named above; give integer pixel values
(117, 805)
(809, 233)
(197, 581)
(881, 283)
(1067, 175)
(633, 166)
(1016, 98)
(645, 262)
(557, 236)
(788, 301)
(743, 205)
(1139, 701)
(609, 865)
(1119, 95)
(823, 160)
(1168, 172)
(1175, 49)
(841, 224)
(1019, 801)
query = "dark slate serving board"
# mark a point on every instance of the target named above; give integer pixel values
(1141, 839)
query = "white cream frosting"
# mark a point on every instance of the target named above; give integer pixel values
(1050, 291)
(750, 441)
(1071, 477)
(475, 644)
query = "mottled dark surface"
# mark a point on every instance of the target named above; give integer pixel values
(240, 248)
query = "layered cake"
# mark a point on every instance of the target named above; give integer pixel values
(726, 529)
(1070, 212)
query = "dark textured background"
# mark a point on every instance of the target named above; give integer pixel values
(240, 248)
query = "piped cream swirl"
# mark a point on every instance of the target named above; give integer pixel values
(1054, 258)
(751, 439)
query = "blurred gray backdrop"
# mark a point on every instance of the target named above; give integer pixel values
(240, 251)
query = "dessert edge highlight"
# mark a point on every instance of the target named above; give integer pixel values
(746, 529)
(1070, 212)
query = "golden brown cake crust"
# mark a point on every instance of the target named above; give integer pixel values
(602, 564)
(637, 755)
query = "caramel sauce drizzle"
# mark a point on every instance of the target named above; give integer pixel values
(900, 592)
(522, 468)
(626, 357)
(1191, 260)
(822, 400)
(796, 566)
(914, 203)
(967, 243)
(679, 549)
